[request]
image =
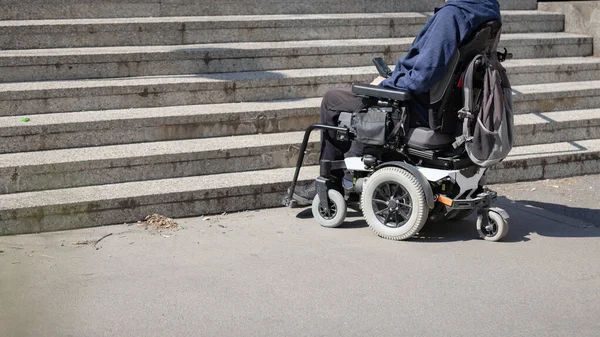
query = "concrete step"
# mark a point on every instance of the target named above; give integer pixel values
(549, 161)
(211, 194)
(33, 34)
(122, 93)
(29, 171)
(56, 169)
(73, 9)
(95, 128)
(129, 61)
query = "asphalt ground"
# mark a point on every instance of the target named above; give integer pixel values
(277, 273)
(575, 197)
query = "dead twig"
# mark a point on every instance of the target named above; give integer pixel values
(102, 238)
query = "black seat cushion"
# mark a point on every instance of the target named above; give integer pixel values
(427, 139)
(380, 92)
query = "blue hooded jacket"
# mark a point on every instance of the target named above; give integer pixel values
(429, 55)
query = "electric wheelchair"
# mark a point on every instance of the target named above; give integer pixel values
(409, 176)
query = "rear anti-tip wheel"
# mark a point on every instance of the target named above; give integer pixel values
(336, 215)
(496, 229)
(393, 204)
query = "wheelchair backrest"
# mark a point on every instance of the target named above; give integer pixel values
(446, 96)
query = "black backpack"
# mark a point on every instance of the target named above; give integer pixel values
(487, 113)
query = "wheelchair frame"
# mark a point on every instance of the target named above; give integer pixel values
(464, 178)
(492, 223)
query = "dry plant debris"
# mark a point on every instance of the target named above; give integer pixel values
(159, 223)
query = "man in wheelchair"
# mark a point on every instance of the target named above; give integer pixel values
(392, 140)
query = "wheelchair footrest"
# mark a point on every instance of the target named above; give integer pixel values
(483, 200)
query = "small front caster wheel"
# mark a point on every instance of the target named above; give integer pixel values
(496, 229)
(336, 215)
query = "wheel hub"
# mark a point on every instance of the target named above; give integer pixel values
(392, 204)
(491, 229)
(328, 215)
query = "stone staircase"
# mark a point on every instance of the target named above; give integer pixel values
(139, 106)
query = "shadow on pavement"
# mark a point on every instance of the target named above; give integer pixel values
(527, 217)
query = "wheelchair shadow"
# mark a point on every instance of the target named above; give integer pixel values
(351, 223)
(527, 218)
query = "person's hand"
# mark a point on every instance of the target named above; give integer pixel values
(378, 80)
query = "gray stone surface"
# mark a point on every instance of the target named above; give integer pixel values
(43, 170)
(72, 9)
(100, 205)
(556, 98)
(95, 128)
(66, 63)
(548, 161)
(34, 34)
(56, 169)
(555, 127)
(61, 96)
(580, 17)
(553, 96)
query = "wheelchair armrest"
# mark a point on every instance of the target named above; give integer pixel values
(381, 92)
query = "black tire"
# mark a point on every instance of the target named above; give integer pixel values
(394, 204)
(338, 210)
(497, 230)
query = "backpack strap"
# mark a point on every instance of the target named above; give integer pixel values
(401, 124)
(466, 113)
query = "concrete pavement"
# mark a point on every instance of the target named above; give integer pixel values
(277, 273)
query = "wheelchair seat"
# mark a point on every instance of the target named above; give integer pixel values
(427, 139)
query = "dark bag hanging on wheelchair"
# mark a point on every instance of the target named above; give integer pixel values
(370, 126)
(488, 114)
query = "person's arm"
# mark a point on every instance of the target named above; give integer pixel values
(443, 39)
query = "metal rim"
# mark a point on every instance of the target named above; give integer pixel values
(392, 204)
(491, 229)
(328, 215)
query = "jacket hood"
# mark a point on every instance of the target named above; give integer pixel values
(474, 9)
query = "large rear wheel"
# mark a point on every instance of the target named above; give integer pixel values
(394, 204)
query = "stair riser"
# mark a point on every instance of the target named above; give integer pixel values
(556, 132)
(562, 167)
(73, 9)
(46, 219)
(171, 128)
(585, 73)
(203, 126)
(550, 104)
(21, 69)
(145, 34)
(68, 175)
(61, 100)
(202, 202)
(57, 176)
